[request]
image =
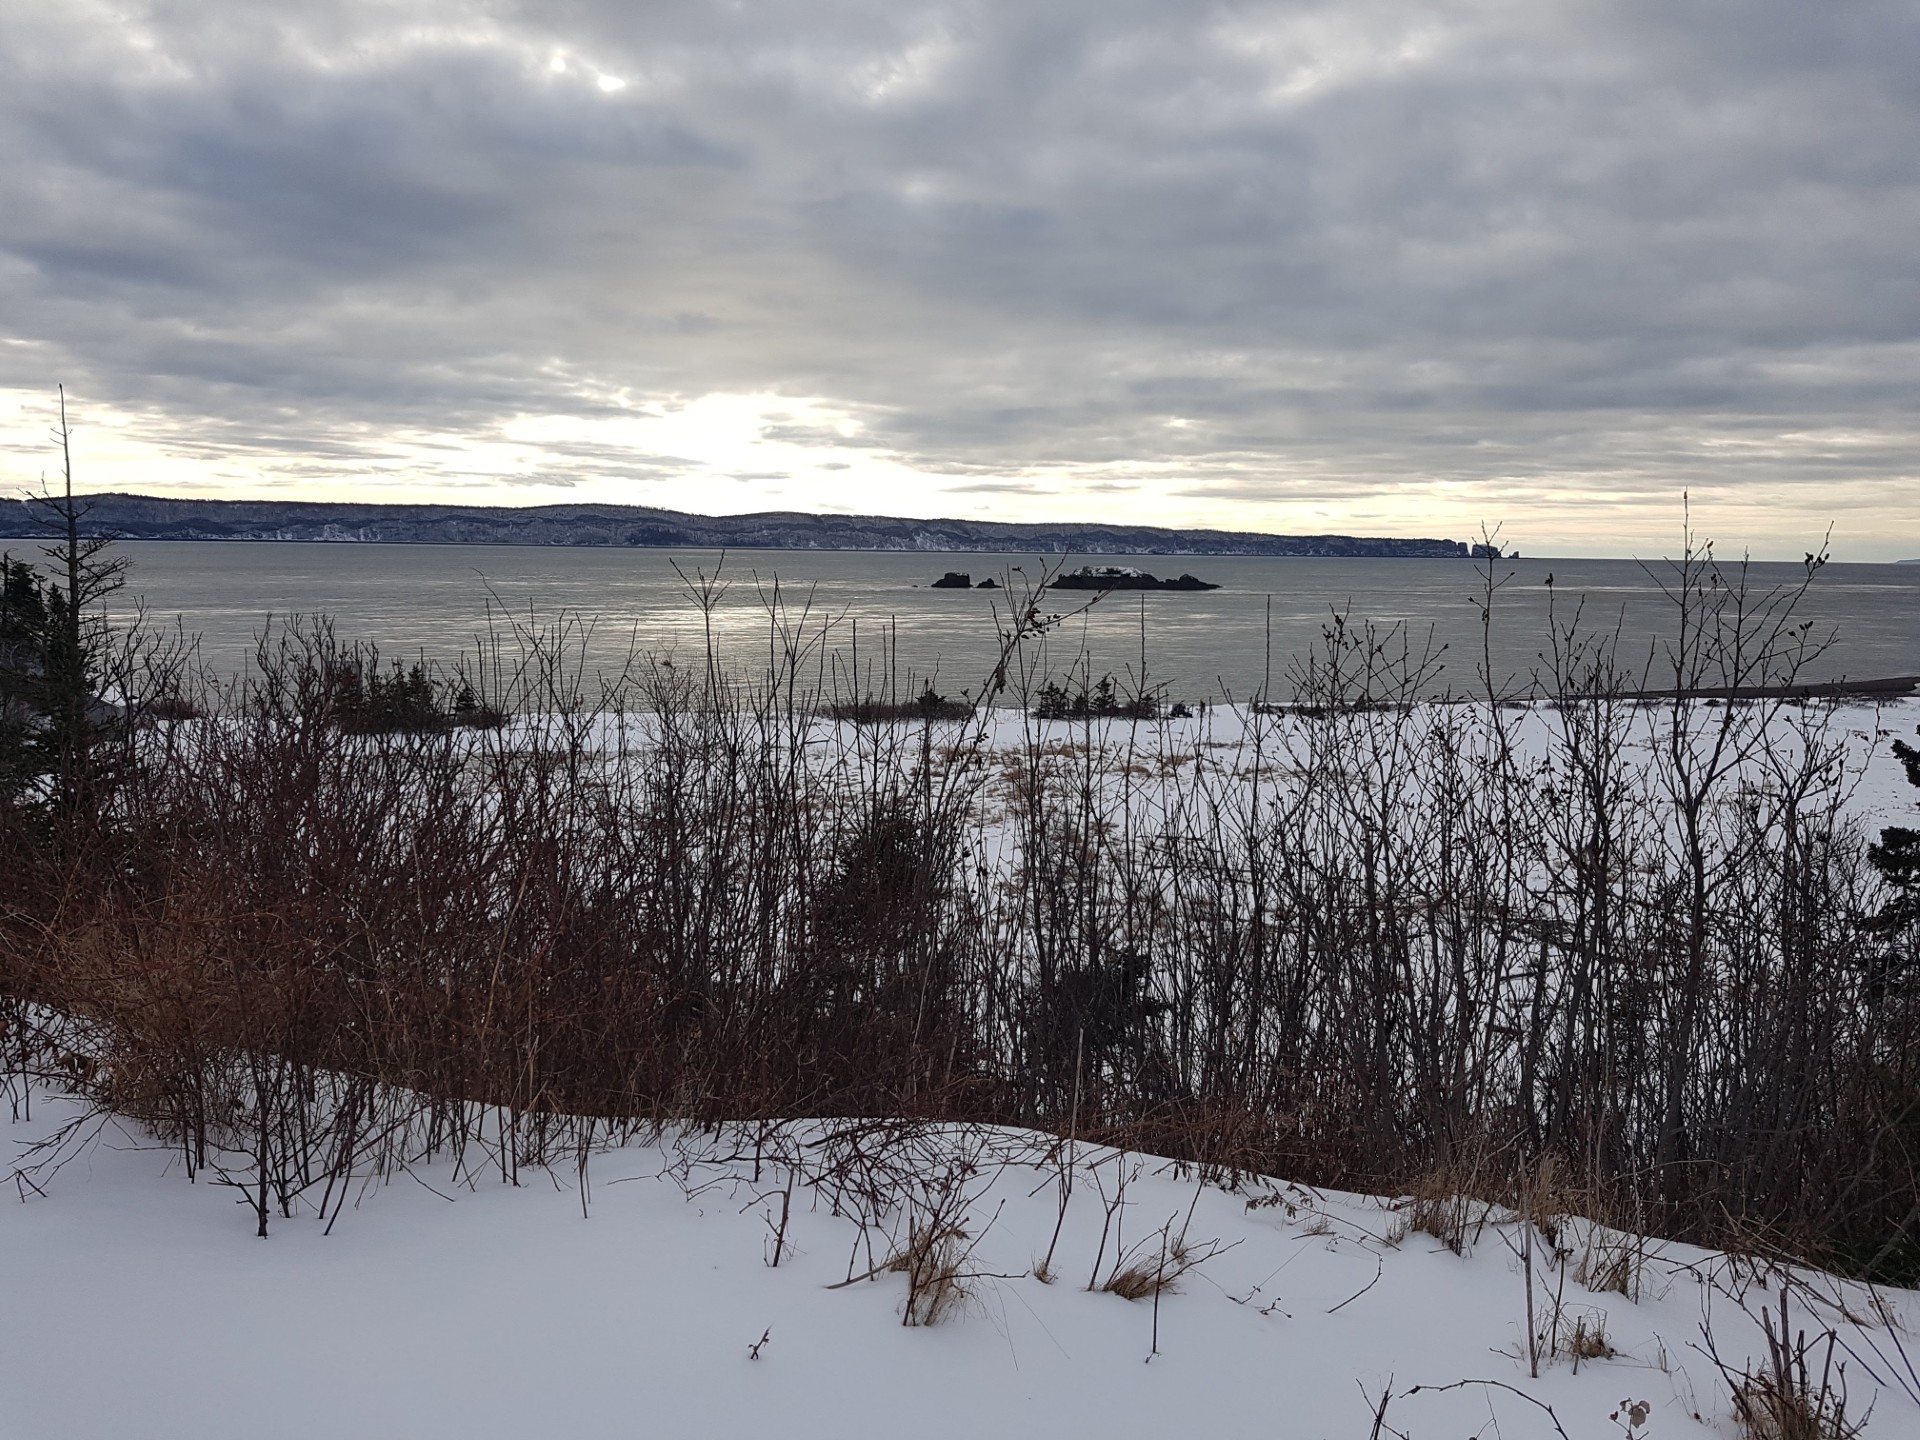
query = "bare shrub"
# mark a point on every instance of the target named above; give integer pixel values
(1612, 1261)
(1798, 1391)
(1392, 940)
(1440, 1208)
(933, 1260)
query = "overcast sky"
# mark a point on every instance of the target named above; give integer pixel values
(1368, 266)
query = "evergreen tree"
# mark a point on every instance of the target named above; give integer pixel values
(23, 651)
(1897, 856)
(53, 650)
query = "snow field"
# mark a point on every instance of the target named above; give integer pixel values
(451, 1305)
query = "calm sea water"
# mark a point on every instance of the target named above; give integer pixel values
(432, 600)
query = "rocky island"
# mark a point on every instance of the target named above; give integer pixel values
(1124, 577)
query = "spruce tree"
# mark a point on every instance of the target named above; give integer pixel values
(1897, 856)
(53, 651)
(23, 653)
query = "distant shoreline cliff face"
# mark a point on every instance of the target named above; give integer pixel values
(145, 517)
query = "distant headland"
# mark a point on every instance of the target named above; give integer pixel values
(150, 517)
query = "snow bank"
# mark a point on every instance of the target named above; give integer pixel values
(141, 1305)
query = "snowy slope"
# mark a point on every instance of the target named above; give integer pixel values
(139, 1305)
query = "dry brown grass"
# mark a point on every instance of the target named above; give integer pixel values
(1767, 1411)
(934, 1261)
(1612, 1262)
(1798, 1391)
(1158, 1272)
(1586, 1337)
(1139, 1279)
(1440, 1208)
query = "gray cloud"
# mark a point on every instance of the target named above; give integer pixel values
(1423, 263)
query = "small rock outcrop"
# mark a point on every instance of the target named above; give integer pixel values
(1125, 577)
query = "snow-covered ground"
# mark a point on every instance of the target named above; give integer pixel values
(139, 1305)
(1232, 741)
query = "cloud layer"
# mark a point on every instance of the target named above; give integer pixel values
(1377, 266)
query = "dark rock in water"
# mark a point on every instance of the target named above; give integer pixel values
(1124, 577)
(988, 584)
(954, 580)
